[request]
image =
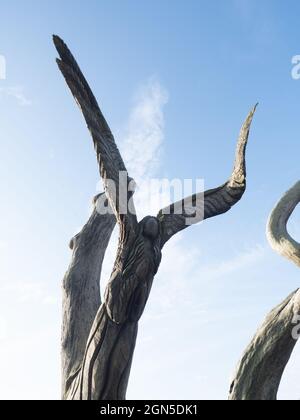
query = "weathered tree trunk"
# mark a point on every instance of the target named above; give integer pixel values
(107, 360)
(260, 370)
(81, 292)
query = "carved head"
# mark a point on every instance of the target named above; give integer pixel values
(150, 227)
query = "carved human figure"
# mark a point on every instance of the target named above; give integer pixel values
(103, 370)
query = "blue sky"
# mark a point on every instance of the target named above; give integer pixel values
(178, 77)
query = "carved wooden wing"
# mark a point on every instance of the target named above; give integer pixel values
(110, 161)
(213, 202)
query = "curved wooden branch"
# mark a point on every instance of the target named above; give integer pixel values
(81, 291)
(119, 187)
(277, 233)
(260, 370)
(213, 202)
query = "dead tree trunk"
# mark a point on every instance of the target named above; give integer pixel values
(99, 338)
(81, 291)
(260, 370)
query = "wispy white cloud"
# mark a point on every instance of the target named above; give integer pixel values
(141, 149)
(16, 92)
(142, 144)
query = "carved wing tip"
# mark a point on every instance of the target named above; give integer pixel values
(252, 112)
(56, 39)
(60, 45)
(65, 55)
(250, 118)
(238, 176)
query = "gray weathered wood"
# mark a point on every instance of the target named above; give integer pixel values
(259, 372)
(81, 291)
(103, 371)
(277, 232)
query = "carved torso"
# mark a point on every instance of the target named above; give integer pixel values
(130, 284)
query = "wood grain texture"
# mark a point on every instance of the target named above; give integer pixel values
(81, 291)
(277, 233)
(259, 372)
(98, 348)
(106, 364)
